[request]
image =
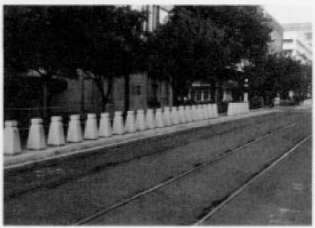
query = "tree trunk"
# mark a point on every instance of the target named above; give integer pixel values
(172, 92)
(81, 78)
(213, 92)
(127, 92)
(45, 99)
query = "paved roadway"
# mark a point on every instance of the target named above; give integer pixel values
(174, 179)
(280, 197)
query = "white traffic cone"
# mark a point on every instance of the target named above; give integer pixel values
(140, 122)
(36, 135)
(130, 125)
(118, 126)
(105, 129)
(181, 114)
(167, 116)
(56, 135)
(150, 121)
(90, 131)
(74, 133)
(11, 138)
(158, 118)
(174, 116)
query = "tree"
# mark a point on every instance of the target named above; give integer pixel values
(202, 42)
(99, 42)
(29, 44)
(111, 37)
(279, 74)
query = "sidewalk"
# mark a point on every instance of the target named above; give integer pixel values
(29, 157)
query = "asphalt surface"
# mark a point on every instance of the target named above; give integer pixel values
(280, 197)
(69, 190)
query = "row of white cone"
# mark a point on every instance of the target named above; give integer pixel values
(139, 122)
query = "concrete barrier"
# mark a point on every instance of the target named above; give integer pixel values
(36, 135)
(74, 133)
(105, 129)
(246, 107)
(158, 118)
(232, 109)
(91, 131)
(11, 138)
(191, 113)
(205, 112)
(209, 109)
(56, 136)
(277, 101)
(215, 110)
(118, 125)
(181, 114)
(174, 116)
(130, 125)
(200, 112)
(140, 122)
(194, 112)
(235, 108)
(187, 113)
(167, 116)
(149, 119)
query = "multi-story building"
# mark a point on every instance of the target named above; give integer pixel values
(297, 41)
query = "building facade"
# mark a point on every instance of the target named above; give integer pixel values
(297, 41)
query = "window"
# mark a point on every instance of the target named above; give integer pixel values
(288, 40)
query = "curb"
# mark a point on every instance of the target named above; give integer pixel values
(29, 157)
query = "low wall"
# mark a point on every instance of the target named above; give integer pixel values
(235, 108)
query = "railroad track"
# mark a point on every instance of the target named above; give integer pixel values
(69, 178)
(173, 179)
(235, 193)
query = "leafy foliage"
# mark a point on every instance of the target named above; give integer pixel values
(105, 41)
(279, 74)
(201, 42)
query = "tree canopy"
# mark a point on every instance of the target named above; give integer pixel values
(106, 41)
(201, 42)
(279, 74)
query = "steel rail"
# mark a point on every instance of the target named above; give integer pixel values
(168, 181)
(250, 181)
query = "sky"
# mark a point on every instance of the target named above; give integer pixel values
(290, 13)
